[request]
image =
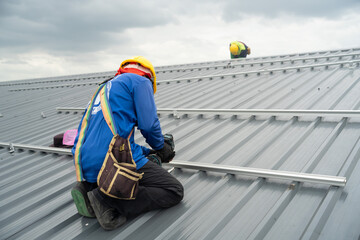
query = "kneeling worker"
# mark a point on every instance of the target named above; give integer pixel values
(131, 98)
(239, 50)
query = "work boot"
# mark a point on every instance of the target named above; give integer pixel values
(81, 200)
(108, 218)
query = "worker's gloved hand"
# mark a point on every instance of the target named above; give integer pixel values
(167, 153)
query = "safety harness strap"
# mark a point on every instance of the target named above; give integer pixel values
(82, 133)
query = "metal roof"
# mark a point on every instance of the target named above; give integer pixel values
(295, 113)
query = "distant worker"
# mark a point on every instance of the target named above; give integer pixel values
(239, 50)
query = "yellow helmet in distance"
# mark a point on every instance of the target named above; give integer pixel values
(234, 49)
(145, 63)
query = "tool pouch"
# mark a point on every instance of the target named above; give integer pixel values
(118, 177)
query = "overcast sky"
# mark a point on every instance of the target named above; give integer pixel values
(44, 38)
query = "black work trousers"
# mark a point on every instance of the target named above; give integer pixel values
(157, 189)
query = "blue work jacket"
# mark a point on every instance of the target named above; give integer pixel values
(132, 103)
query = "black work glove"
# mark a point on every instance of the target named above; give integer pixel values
(167, 153)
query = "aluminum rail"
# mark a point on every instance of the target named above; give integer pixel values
(258, 72)
(59, 78)
(266, 112)
(258, 112)
(70, 109)
(56, 86)
(235, 62)
(12, 146)
(255, 172)
(263, 173)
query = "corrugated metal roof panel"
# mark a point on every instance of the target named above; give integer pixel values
(35, 199)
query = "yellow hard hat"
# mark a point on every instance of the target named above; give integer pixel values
(145, 63)
(234, 49)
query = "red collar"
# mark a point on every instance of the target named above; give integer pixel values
(133, 70)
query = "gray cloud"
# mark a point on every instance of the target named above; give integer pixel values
(331, 9)
(66, 27)
(69, 26)
(41, 38)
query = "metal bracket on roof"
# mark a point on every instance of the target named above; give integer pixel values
(352, 65)
(11, 148)
(175, 114)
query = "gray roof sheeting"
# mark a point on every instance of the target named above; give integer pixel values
(35, 199)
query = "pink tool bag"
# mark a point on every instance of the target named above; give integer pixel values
(69, 137)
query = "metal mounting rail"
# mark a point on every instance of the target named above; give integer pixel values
(270, 71)
(236, 62)
(56, 86)
(263, 173)
(59, 78)
(70, 109)
(12, 146)
(255, 172)
(258, 112)
(266, 112)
